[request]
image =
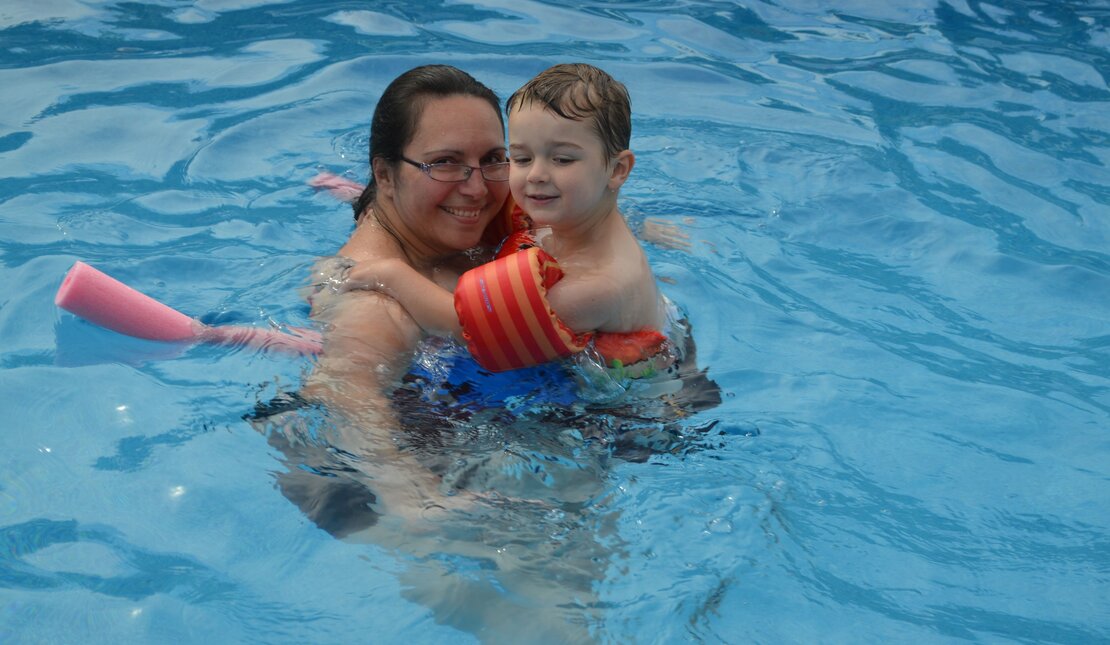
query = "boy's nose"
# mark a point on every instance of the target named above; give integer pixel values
(537, 174)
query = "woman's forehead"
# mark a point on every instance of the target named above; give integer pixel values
(458, 123)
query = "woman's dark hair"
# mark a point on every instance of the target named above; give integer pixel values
(399, 109)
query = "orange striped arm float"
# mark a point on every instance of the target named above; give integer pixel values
(506, 319)
(508, 322)
(629, 348)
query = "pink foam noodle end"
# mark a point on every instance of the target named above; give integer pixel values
(101, 299)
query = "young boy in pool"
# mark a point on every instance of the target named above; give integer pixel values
(569, 133)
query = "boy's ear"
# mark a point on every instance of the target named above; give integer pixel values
(622, 166)
(383, 176)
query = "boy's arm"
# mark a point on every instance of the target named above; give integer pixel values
(430, 305)
(586, 303)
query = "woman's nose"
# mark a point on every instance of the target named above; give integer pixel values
(475, 184)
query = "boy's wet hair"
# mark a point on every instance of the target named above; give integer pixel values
(398, 113)
(579, 91)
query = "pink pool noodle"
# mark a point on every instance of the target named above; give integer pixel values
(103, 300)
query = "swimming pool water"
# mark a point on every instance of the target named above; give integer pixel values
(898, 274)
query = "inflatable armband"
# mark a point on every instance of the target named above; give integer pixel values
(629, 347)
(506, 319)
(508, 322)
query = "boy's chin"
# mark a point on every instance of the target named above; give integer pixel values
(550, 222)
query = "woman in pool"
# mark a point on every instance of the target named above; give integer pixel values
(362, 463)
(438, 177)
(379, 472)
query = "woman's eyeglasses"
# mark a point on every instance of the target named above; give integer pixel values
(457, 172)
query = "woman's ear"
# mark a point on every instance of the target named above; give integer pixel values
(622, 166)
(383, 176)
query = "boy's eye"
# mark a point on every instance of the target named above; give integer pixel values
(562, 161)
(518, 160)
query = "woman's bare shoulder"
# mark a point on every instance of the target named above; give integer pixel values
(370, 242)
(370, 326)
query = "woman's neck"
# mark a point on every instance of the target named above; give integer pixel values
(408, 245)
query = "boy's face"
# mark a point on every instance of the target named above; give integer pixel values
(559, 173)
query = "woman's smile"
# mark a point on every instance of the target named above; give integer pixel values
(463, 212)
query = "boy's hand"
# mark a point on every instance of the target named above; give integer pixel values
(665, 234)
(371, 275)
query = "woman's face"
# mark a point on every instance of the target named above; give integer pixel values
(441, 218)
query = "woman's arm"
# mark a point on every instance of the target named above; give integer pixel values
(368, 346)
(368, 342)
(430, 305)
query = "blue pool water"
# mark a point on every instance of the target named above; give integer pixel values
(898, 275)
